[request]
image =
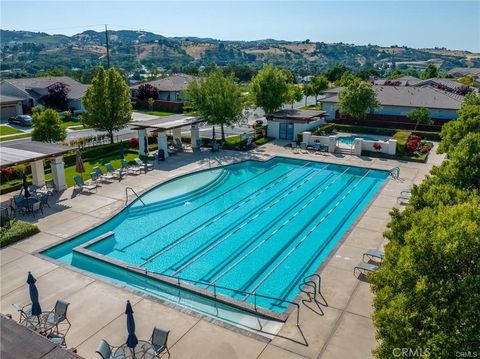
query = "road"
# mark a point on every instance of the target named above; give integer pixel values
(205, 130)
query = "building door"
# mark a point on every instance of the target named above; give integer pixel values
(285, 131)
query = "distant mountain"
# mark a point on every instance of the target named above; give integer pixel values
(131, 51)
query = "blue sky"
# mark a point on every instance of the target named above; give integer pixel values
(451, 24)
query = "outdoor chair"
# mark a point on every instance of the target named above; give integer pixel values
(33, 188)
(19, 204)
(179, 145)
(106, 350)
(159, 342)
(35, 207)
(303, 147)
(82, 185)
(114, 172)
(24, 311)
(365, 267)
(58, 339)
(129, 168)
(43, 198)
(102, 176)
(50, 186)
(373, 253)
(58, 318)
(294, 147)
(143, 164)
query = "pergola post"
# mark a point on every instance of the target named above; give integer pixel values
(194, 135)
(162, 142)
(38, 173)
(58, 173)
(177, 134)
(141, 142)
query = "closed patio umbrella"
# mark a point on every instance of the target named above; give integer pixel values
(36, 309)
(145, 141)
(122, 151)
(132, 340)
(26, 193)
(79, 167)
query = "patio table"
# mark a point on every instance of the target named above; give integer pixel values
(143, 350)
(40, 323)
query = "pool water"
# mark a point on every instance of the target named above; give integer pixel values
(350, 140)
(255, 227)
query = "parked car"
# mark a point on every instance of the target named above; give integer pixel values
(22, 120)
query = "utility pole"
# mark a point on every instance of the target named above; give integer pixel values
(108, 50)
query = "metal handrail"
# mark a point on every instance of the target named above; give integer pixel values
(395, 172)
(216, 287)
(135, 193)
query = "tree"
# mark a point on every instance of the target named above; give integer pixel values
(107, 102)
(146, 91)
(335, 73)
(57, 96)
(357, 98)
(269, 89)
(47, 127)
(346, 79)
(468, 80)
(307, 91)
(452, 132)
(430, 72)
(294, 93)
(420, 115)
(427, 289)
(471, 99)
(217, 98)
(318, 85)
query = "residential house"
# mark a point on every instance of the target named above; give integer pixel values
(18, 96)
(169, 89)
(396, 101)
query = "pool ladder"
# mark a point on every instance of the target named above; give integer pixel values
(135, 193)
(311, 287)
(395, 172)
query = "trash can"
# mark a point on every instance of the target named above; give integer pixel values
(161, 155)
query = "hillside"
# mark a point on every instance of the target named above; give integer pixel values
(30, 52)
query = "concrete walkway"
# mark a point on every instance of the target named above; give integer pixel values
(340, 329)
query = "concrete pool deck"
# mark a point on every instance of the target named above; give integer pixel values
(343, 330)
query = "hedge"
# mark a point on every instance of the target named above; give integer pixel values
(404, 156)
(18, 230)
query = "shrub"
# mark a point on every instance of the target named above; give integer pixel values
(413, 143)
(6, 173)
(133, 142)
(18, 230)
(401, 137)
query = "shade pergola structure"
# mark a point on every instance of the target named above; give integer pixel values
(161, 126)
(33, 152)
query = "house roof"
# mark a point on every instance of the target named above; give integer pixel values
(462, 71)
(449, 83)
(171, 83)
(16, 152)
(403, 81)
(33, 84)
(409, 96)
(10, 99)
(296, 115)
(159, 123)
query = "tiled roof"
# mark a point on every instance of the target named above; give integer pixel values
(6, 99)
(409, 96)
(77, 89)
(171, 83)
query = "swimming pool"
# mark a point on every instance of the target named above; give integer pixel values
(251, 227)
(349, 140)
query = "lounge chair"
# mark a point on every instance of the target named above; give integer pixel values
(405, 196)
(129, 168)
(114, 172)
(106, 351)
(179, 145)
(82, 185)
(365, 267)
(159, 342)
(144, 165)
(373, 253)
(102, 176)
(303, 147)
(294, 147)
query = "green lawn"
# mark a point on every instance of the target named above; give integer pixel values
(24, 135)
(7, 130)
(71, 123)
(156, 113)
